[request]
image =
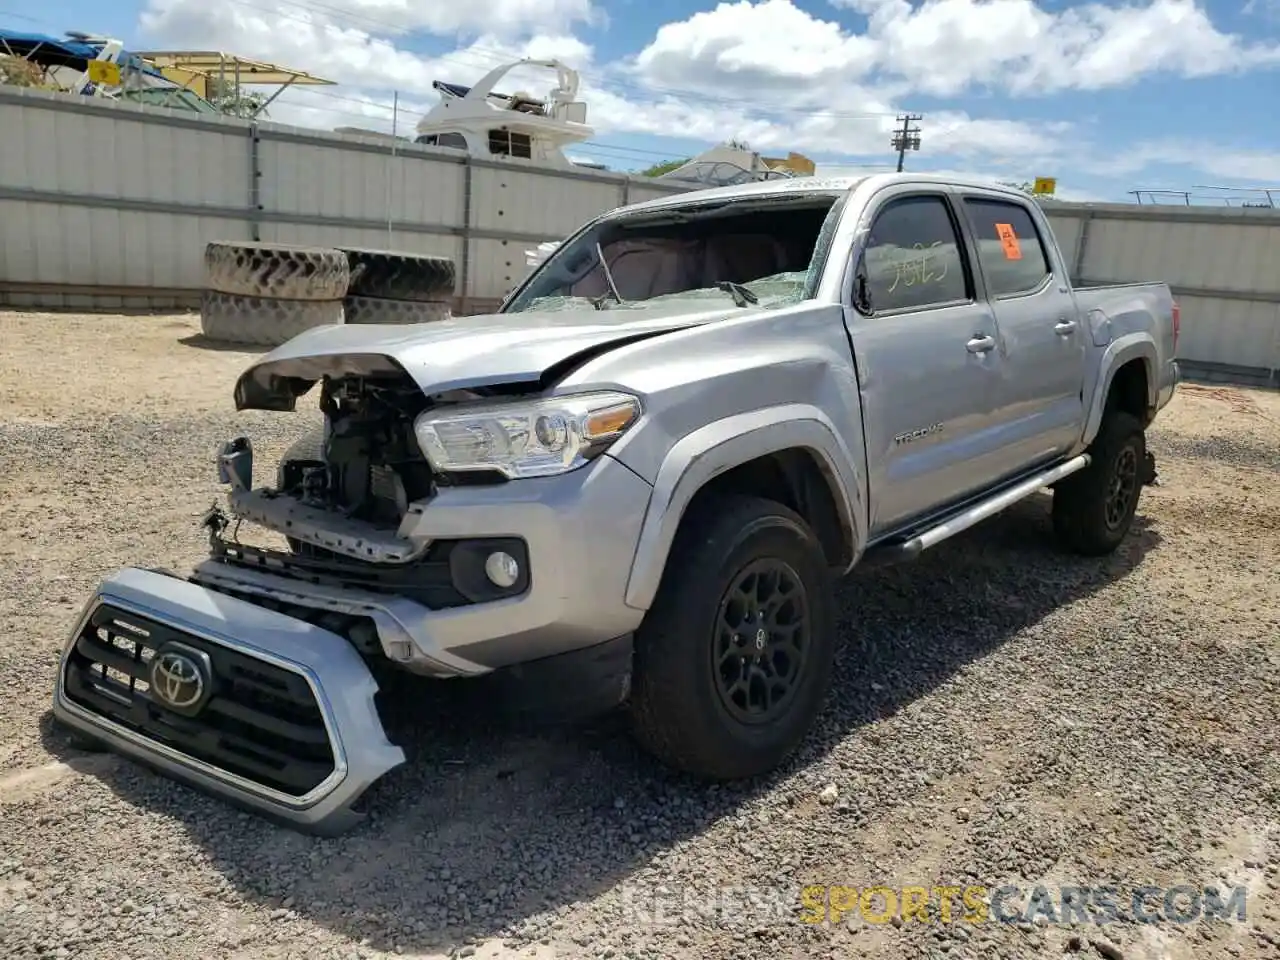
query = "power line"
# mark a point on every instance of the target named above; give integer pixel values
(22, 16)
(908, 138)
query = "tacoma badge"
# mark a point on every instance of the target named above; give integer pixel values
(917, 434)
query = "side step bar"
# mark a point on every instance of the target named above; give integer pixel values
(957, 523)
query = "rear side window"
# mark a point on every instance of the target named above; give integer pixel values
(912, 257)
(1009, 247)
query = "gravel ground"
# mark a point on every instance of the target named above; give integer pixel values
(1003, 714)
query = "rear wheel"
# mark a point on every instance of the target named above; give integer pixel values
(734, 658)
(1093, 509)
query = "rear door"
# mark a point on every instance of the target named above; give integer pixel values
(1040, 406)
(925, 345)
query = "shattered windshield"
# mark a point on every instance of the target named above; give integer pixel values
(742, 253)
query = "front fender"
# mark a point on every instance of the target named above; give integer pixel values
(728, 443)
(1120, 351)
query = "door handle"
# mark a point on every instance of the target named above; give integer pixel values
(1064, 326)
(980, 343)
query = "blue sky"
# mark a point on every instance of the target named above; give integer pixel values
(1106, 97)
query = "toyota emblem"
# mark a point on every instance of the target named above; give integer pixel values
(177, 680)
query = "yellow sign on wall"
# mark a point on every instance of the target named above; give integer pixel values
(1045, 185)
(105, 72)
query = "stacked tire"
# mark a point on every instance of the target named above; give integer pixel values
(262, 294)
(388, 286)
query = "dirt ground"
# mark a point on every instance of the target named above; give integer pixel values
(1003, 714)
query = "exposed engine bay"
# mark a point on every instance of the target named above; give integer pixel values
(340, 501)
(372, 466)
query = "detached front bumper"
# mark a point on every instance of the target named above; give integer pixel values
(264, 710)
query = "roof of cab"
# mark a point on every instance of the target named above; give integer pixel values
(822, 185)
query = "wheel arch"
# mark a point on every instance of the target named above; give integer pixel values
(789, 453)
(1128, 377)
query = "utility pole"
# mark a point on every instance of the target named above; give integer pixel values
(908, 138)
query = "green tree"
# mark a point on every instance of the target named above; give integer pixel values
(666, 166)
(233, 101)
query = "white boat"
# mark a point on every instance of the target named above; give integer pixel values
(517, 125)
(487, 124)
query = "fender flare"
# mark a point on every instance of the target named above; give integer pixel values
(720, 446)
(1132, 346)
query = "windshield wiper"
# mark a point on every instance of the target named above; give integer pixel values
(741, 295)
(598, 303)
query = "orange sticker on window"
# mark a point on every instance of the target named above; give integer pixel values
(1008, 241)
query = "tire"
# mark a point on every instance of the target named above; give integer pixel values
(262, 321)
(1086, 519)
(393, 275)
(372, 310)
(678, 713)
(267, 270)
(309, 446)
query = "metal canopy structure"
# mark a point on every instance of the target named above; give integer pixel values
(195, 68)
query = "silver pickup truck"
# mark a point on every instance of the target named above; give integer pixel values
(634, 486)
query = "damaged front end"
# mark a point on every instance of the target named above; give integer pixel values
(347, 503)
(253, 676)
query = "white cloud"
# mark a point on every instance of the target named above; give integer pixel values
(374, 107)
(1224, 162)
(504, 18)
(760, 70)
(747, 44)
(941, 47)
(1270, 9)
(366, 64)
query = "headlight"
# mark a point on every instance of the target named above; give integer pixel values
(537, 439)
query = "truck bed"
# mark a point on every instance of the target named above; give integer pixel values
(1112, 311)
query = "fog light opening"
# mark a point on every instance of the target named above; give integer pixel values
(501, 569)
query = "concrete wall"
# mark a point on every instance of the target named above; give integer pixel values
(108, 206)
(1222, 263)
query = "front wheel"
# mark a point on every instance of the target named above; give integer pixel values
(734, 658)
(1094, 508)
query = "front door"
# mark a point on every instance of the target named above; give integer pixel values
(1040, 405)
(926, 349)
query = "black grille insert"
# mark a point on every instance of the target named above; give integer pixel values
(427, 579)
(259, 721)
